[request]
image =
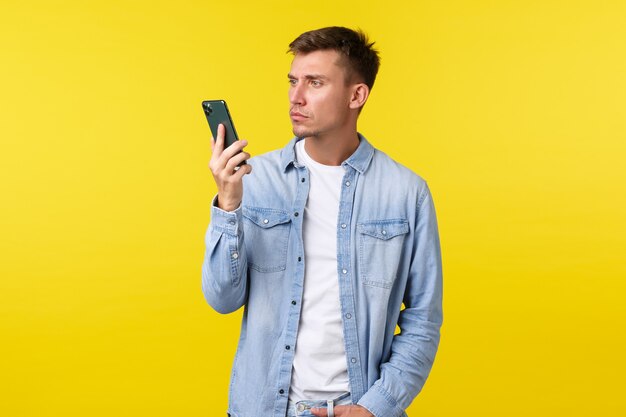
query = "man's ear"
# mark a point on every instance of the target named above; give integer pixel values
(360, 93)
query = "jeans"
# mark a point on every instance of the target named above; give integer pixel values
(303, 408)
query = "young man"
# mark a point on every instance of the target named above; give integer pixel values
(323, 243)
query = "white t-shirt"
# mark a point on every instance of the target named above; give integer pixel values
(319, 367)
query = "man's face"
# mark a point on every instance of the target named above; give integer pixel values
(318, 94)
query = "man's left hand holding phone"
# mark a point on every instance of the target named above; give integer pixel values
(228, 166)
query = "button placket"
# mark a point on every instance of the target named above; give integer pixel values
(346, 218)
(294, 312)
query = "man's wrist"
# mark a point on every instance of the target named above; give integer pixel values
(225, 206)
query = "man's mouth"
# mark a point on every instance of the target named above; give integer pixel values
(297, 116)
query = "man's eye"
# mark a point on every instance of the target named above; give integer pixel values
(292, 81)
(316, 83)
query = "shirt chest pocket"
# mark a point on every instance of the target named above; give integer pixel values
(380, 249)
(266, 236)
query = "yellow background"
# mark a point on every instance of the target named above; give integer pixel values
(513, 111)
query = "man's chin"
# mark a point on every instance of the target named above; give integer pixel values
(302, 133)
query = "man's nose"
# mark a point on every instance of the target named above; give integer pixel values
(296, 95)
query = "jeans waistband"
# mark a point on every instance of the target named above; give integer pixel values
(302, 408)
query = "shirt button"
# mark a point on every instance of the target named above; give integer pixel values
(348, 315)
(347, 183)
(282, 391)
(287, 347)
(265, 221)
(231, 222)
(296, 214)
(293, 302)
(303, 180)
(235, 255)
(345, 271)
(299, 258)
(343, 226)
(384, 232)
(353, 360)
(301, 407)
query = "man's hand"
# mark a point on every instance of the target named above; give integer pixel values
(343, 411)
(223, 166)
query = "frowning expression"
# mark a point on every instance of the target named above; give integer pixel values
(319, 94)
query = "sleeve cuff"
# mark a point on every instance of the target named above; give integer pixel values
(228, 222)
(380, 403)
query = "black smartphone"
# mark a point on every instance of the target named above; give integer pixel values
(216, 112)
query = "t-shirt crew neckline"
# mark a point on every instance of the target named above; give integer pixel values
(308, 161)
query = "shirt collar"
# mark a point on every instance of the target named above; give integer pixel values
(359, 160)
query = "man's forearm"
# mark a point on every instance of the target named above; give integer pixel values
(224, 282)
(413, 350)
(404, 375)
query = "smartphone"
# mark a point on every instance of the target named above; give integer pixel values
(216, 112)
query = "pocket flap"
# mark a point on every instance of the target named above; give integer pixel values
(265, 217)
(384, 229)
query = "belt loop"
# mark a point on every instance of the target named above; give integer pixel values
(331, 408)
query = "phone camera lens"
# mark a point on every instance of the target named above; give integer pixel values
(208, 108)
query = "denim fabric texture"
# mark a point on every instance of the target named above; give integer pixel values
(388, 267)
(303, 408)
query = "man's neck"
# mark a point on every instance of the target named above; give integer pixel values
(331, 150)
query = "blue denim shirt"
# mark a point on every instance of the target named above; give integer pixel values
(388, 267)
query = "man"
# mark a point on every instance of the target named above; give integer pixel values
(323, 244)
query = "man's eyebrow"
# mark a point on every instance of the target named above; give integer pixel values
(309, 77)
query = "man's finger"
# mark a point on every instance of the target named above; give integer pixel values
(219, 140)
(319, 412)
(343, 410)
(231, 151)
(236, 160)
(243, 170)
